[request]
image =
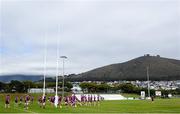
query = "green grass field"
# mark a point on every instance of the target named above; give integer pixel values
(124, 106)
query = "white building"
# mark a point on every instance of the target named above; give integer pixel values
(76, 89)
(40, 90)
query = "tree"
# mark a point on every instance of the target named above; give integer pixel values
(103, 88)
(28, 85)
(129, 88)
(2, 86)
(91, 87)
(16, 86)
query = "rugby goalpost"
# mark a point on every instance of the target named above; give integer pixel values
(57, 68)
(45, 69)
(45, 66)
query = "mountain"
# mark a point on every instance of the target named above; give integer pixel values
(19, 77)
(159, 69)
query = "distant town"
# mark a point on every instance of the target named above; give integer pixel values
(155, 85)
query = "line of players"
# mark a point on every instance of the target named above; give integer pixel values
(19, 101)
(71, 100)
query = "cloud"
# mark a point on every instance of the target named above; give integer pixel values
(91, 33)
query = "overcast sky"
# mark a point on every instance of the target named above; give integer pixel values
(92, 33)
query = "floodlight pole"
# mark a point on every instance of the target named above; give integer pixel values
(148, 81)
(63, 58)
